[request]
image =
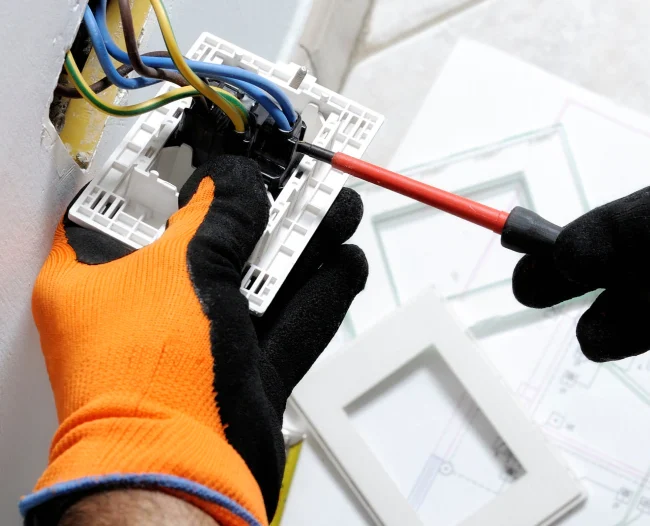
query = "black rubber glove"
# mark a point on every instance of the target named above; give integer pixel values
(607, 248)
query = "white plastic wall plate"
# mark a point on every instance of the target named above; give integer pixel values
(131, 198)
(545, 492)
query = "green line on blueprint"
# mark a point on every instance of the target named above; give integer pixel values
(643, 395)
(634, 502)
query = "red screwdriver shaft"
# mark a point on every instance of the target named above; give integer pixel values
(521, 230)
(462, 207)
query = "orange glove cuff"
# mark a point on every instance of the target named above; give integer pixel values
(125, 442)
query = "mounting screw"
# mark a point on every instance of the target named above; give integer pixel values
(297, 79)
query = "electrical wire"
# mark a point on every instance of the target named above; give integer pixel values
(235, 112)
(135, 109)
(71, 92)
(131, 43)
(182, 66)
(104, 58)
(244, 80)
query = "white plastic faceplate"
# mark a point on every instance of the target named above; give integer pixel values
(131, 201)
(424, 328)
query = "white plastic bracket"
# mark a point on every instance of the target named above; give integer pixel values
(136, 191)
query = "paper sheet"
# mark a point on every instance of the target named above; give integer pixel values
(598, 416)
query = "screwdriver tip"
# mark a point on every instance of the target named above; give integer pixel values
(316, 152)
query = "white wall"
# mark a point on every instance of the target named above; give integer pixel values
(33, 197)
(37, 183)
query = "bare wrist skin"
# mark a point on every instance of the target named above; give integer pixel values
(134, 507)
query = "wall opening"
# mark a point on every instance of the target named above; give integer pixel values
(81, 48)
(80, 126)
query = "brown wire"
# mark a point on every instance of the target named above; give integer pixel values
(131, 42)
(71, 92)
(103, 84)
(136, 65)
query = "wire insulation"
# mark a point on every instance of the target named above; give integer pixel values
(103, 84)
(182, 66)
(135, 109)
(250, 83)
(105, 59)
(235, 111)
(132, 50)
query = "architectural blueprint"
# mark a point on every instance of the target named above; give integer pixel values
(524, 137)
(597, 415)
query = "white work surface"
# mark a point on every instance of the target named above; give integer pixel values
(591, 152)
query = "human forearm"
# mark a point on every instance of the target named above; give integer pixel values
(134, 507)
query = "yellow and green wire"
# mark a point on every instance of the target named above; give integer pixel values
(143, 107)
(227, 102)
(184, 69)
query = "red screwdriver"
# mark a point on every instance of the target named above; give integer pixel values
(521, 230)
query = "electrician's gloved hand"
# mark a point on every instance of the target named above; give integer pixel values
(161, 377)
(608, 248)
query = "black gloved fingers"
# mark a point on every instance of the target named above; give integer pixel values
(615, 326)
(608, 246)
(340, 222)
(537, 283)
(236, 217)
(307, 323)
(338, 225)
(90, 246)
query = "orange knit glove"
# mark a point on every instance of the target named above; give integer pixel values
(161, 378)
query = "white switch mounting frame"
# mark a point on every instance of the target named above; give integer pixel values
(130, 199)
(546, 491)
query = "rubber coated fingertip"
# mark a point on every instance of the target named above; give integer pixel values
(304, 326)
(536, 283)
(614, 327)
(343, 218)
(352, 262)
(338, 225)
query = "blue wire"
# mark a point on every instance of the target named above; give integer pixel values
(249, 83)
(245, 80)
(105, 60)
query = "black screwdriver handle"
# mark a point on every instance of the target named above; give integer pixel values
(529, 233)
